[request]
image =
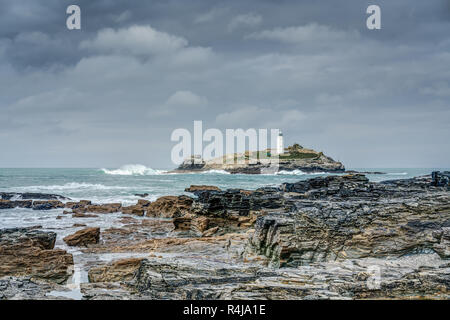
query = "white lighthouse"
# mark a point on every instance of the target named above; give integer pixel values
(280, 143)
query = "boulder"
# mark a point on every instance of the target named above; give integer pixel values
(170, 207)
(30, 252)
(83, 238)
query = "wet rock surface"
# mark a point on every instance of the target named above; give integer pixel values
(334, 237)
(349, 218)
(23, 288)
(31, 252)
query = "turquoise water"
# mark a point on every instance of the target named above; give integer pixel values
(121, 185)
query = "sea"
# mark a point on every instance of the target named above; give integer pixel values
(105, 185)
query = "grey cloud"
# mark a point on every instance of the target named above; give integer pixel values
(307, 33)
(135, 40)
(247, 20)
(325, 80)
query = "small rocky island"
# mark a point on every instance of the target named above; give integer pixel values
(293, 158)
(334, 237)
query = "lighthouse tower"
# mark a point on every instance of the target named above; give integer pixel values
(280, 143)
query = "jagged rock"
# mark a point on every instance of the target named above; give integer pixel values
(117, 271)
(236, 202)
(30, 252)
(83, 237)
(170, 207)
(420, 276)
(349, 218)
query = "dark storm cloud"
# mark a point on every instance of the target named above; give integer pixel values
(113, 92)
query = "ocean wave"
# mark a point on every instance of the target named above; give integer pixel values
(298, 172)
(397, 173)
(124, 199)
(215, 172)
(68, 186)
(133, 169)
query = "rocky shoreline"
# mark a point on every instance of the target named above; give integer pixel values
(334, 237)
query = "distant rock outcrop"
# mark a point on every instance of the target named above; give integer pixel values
(298, 158)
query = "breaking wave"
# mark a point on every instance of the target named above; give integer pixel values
(298, 172)
(67, 186)
(133, 169)
(215, 172)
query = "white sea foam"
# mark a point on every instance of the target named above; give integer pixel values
(68, 186)
(295, 172)
(298, 172)
(215, 172)
(133, 169)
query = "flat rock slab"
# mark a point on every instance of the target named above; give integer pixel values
(27, 251)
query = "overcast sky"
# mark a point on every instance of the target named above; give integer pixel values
(111, 93)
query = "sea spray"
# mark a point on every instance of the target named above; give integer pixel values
(133, 169)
